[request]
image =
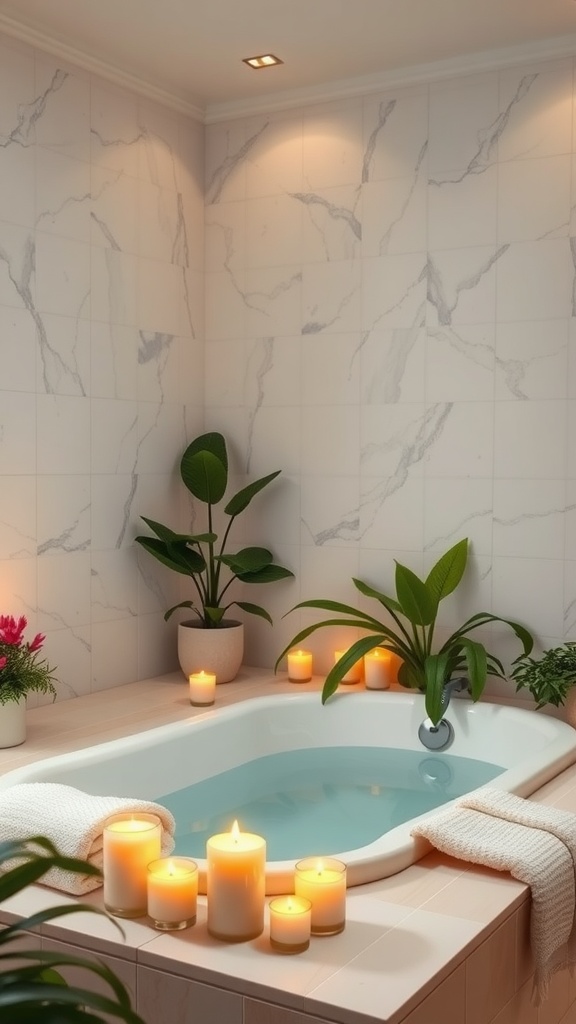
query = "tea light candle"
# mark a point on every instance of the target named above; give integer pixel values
(323, 882)
(299, 666)
(354, 674)
(235, 884)
(377, 669)
(130, 842)
(290, 923)
(172, 892)
(202, 688)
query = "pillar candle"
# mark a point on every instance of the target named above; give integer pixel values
(353, 674)
(322, 880)
(299, 666)
(377, 669)
(172, 892)
(290, 923)
(235, 885)
(130, 842)
(202, 688)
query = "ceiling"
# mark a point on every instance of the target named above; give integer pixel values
(192, 50)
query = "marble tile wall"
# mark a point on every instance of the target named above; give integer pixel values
(101, 356)
(390, 319)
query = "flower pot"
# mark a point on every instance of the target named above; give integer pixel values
(211, 650)
(13, 722)
(570, 707)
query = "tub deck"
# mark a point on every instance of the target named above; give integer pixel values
(440, 943)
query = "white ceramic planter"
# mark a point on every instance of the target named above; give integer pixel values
(13, 723)
(211, 650)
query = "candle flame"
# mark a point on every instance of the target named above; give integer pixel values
(319, 867)
(235, 831)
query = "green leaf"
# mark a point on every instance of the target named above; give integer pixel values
(268, 574)
(411, 676)
(445, 576)
(168, 535)
(242, 499)
(204, 469)
(435, 671)
(213, 616)
(247, 560)
(336, 674)
(368, 591)
(476, 666)
(417, 603)
(254, 609)
(177, 557)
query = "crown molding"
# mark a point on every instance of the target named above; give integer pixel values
(63, 51)
(421, 74)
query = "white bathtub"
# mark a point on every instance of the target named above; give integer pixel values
(532, 748)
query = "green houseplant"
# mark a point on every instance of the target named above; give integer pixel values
(31, 985)
(549, 678)
(204, 557)
(23, 670)
(409, 633)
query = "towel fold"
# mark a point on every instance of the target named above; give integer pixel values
(74, 822)
(537, 845)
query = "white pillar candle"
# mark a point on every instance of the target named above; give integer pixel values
(235, 885)
(172, 892)
(299, 666)
(323, 882)
(290, 923)
(202, 688)
(130, 842)
(377, 669)
(354, 674)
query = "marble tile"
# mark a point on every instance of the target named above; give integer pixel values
(530, 440)
(534, 199)
(394, 214)
(274, 158)
(536, 103)
(338, 161)
(528, 518)
(532, 359)
(462, 210)
(535, 280)
(395, 134)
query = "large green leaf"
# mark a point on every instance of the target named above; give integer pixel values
(417, 603)
(369, 591)
(168, 535)
(445, 576)
(242, 499)
(247, 560)
(476, 666)
(435, 671)
(253, 609)
(336, 674)
(205, 475)
(177, 557)
(267, 574)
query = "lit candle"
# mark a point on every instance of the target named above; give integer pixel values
(354, 674)
(299, 666)
(130, 842)
(290, 923)
(202, 688)
(323, 882)
(377, 669)
(235, 885)
(172, 892)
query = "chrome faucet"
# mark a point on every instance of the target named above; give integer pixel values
(440, 736)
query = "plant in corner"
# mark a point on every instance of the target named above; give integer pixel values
(413, 614)
(549, 678)
(31, 985)
(22, 668)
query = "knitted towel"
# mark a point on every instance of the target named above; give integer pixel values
(74, 821)
(537, 845)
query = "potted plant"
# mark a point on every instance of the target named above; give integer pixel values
(31, 985)
(409, 633)
(205, 559)
(550, 678)
(23, 670)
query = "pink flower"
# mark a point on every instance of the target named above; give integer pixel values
(36, 643)
(11, 630)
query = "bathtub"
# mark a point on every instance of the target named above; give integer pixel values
(531, 748)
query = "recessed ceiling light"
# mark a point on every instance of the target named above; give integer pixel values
(265, 60)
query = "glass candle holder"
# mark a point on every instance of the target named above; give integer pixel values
(130, 842)
(322, 880)
(172, 893)
(290, 924)
(202, 688)
(378, 669)
(299, 666)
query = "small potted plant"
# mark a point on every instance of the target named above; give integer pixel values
(409, 633)
(212, 640)
(550, 678)
(23, 670)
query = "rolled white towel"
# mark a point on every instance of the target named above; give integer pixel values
(74, 822)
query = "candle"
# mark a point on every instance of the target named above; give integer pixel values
(235, 884)
(377, 669)
(299, 666)
(202, 688)
(290, 918)
(353, 674)
(323, 882)
(130, 842)
(172, 892)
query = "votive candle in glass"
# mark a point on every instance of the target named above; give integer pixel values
(299, 666)
(235, 885)
(130, 842)
(290, 924)
(377, 669)
(172, 892)
(202, 688)
(322, 880)
(354, 673)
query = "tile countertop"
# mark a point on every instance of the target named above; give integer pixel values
(404, 934)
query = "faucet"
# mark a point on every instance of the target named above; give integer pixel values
(440, 736)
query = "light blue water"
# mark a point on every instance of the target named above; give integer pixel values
(327, 800)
